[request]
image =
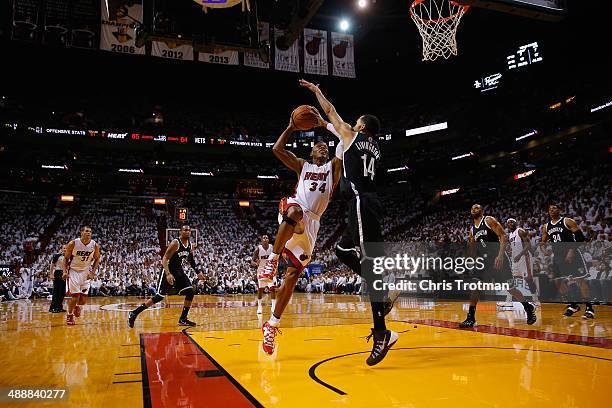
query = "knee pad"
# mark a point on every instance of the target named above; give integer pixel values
(157, 298)
(189, 294)
(289, 221)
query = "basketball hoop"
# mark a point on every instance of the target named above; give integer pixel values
(437, 21)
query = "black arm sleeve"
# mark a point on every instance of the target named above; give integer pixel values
(579, 236)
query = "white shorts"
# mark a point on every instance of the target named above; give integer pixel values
(263, 283)
(300, 246)
(524, 267)
(77, 284)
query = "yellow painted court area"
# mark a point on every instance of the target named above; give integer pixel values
(320, 359)
(429, 366)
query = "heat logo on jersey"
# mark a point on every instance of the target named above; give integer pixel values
(316, 176)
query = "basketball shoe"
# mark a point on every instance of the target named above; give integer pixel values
(383, 341)
(269, 333)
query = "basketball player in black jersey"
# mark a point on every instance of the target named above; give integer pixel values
(361, 158)
(489, 239)
(173, 275)
(568, 264)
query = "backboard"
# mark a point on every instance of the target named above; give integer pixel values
(549, 10)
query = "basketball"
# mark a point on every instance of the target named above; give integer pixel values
(305, 117)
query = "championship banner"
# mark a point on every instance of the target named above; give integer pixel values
(288, 59)
(56, 22)
(118, 32)
(221, 57)
(25, 20)
(172, 50)
(84, 24)
(251, 59)
(315, 52)
(343, 56)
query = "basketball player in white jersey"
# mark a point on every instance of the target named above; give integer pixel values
(81, 261)
(259, 260)
(299, 217)
(522, 262)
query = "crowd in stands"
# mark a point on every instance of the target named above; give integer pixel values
(131, 234)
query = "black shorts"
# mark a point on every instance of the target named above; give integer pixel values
(181, 282)
(491, 274)
(577, 268)
(364, 226)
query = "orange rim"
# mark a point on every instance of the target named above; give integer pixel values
(461, 11)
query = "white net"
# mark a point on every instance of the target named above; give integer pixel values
(437, 21)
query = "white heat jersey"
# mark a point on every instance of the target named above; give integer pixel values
(516, 243)
(314, 188)
(263, 255)
(82, 255)
(522, 268)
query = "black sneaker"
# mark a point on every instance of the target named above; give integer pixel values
(383, 341)
(470, 321)
(571, 309)
(531, 315)
(186, 322)
(589, 313)
(131, 319)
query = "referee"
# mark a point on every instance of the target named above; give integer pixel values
(59, 284)
(361, 158)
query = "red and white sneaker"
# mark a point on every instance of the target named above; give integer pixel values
(70, 320)
(270, 269)
(77, 311)
(269, 333)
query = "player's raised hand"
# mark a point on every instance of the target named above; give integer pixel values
(291, 125)
(309, 85)
(170, 279)
(320, 121)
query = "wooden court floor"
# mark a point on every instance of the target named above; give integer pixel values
(320, 359)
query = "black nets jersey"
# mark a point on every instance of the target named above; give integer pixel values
(487, 239)
(558, 232)
(360, 162)
(176, 261)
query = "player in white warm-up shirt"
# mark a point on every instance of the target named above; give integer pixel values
(299, 217)
(82, 258)
(522, 262)
(260, 257)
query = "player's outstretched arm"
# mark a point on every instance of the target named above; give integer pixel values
(255, 258)
(544, 234)
(171, 250)
(288, 158)
(67, 258)
(573, 226)
(503, 238)
(345, 130)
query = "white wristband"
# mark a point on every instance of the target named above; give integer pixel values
(332, 129)
(340, 149)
